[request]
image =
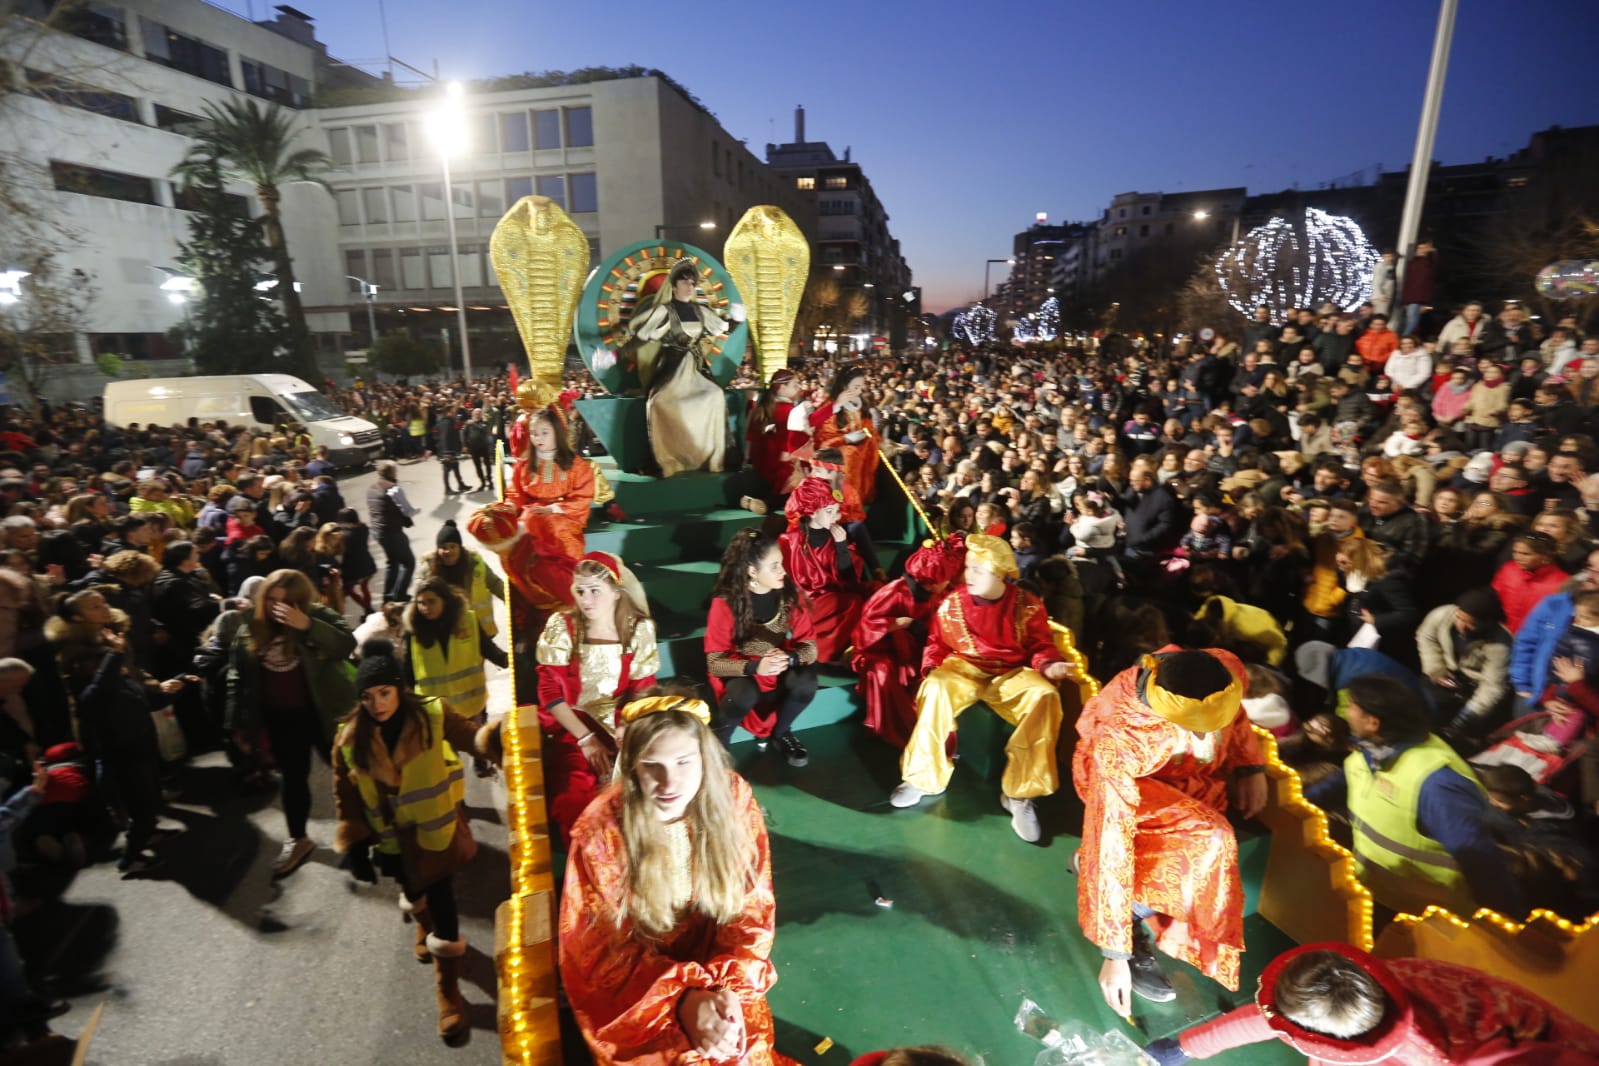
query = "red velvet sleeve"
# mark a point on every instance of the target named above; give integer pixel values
(938, 646)
(516, 487)
(1237, 1028)
(892, 601)
(558, 684)
(722, 657)
(822, 416)
(808, 575)
(1036, 635)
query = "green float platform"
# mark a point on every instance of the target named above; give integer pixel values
(978, 919)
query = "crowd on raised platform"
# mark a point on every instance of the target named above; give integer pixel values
(1381, 549)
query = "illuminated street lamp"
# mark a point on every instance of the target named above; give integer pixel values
(11, 286)
(1202, 214)
(446, 126)
(707, 225)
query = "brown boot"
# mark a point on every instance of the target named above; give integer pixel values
(447, 958)
(418, 913)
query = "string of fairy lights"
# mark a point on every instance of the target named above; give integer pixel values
(1318, 258)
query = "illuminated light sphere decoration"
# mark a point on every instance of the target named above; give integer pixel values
(1317, 259)
(1569, 279)
(975, 325)
(1024, 331)
(1048, 319)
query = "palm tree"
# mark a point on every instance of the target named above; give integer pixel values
(254, 142)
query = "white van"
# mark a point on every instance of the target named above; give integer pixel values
(257, 401)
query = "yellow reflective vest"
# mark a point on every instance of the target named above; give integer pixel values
(479, 598)
(431, 788)
(1404, 869)
(453, 670)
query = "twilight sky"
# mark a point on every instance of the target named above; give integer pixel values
(970, 118)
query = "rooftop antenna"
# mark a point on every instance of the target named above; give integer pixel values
(388, 53)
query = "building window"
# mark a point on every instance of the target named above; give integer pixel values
(413, 270)
(188, 54)
(579, 127)
(383, 269)
(270, 83)
(175, 121)
(489, 202)
(513, 132)
(485, 133)
(553, 187)
(404, 201)
(836, 181)
(585, 193)
(190, 200)
(376, 205)
(91, 181)
(397, 141)
(338, 145)
(546, 129)
(100, 23)
(1143, 231)
(439, 276)
(1170, 228)
(84, 97)
(432, 196)
(464, 200)
(366, 144)
(355, 262)
(1115, 254)
(1146, 209)
(349, 202)
(516, 188)
(804, 183)
(1122, 213)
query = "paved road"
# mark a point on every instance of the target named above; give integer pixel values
(209, 963)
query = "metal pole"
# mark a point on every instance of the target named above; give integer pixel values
(371, 315)
(455, 270)
(986, 267)
(1426, 133)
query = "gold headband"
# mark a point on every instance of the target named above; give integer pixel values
(652, 704)
(1215, 711)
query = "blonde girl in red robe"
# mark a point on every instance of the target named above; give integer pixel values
(667, 915)
(825, 567)
(842, 423)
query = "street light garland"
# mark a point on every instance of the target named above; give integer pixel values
(975, 325)
(1048, 327)
(1321, 258)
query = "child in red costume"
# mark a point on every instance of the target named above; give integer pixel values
(779, 433)
(1336, 1004)
(842, 423)
(760, 646)
(892, 632)
(592, 659)
(825, 568)
(989, 641)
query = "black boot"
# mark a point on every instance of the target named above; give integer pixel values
(1148, 980)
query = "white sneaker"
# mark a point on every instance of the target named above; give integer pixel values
(1023, 819)
(905, 794)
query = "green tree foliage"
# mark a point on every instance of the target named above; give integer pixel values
(230, 328)
(246, 140)
(401, 355)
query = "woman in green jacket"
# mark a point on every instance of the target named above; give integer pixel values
(289, 676)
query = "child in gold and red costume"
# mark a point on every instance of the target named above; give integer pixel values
(892, 632)
(989, 641)
(1165, 747)
(825, 567)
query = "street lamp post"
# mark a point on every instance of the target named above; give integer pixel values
(447, 126)
(662, 228)
(986, 267)
(1200, 216)
(370, 291)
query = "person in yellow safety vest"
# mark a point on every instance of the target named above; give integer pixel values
(1419, 814)
(447, 650)
(398, 790)
(466, 571)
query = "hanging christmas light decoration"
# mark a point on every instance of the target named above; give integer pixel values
(1024, 331)
(1320, 258)
(975, 325)
(1049, 319)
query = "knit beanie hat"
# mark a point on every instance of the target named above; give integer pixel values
(1482, 604)
(378, 666)
(449, 533)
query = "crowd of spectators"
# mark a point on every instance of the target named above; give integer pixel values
(1329, 499)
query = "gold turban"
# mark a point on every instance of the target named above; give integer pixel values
(993, 553)
(651, 704)
(1215, 711)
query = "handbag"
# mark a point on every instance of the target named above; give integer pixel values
(169, 735)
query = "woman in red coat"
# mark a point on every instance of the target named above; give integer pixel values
(779, 433)
(892, 632)
(1336, 1004)
(760, 646)
(825, 567)
(592, 659)
(842, 423)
